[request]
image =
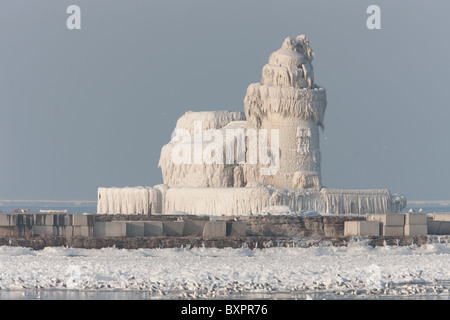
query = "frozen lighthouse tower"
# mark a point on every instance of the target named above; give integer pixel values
(253, 162)
(287, 99)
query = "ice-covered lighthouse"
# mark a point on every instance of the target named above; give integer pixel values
(287, 99)
(284, 112)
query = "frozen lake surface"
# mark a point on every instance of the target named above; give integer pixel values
(139, 295)
(357, 271)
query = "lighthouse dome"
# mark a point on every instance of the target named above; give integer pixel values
(290, 66)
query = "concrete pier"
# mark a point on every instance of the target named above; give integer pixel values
(158, 231)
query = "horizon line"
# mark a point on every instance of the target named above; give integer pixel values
(47, 201)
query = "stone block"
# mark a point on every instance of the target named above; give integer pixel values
(393, 219)
(23, 230)
(153, 228)
(64, 231)
(329, 230)
(83, 220)
(44, 230)
(110, 229)
(193, 228)
(415, 218)
(62, 219)
(214, 229)
(444, 228)
(438, 227)
(415, 229)
(441, 216)
(6, 231)
(83, 231)
(351, 228)
(43, 219)
(7, 220)
(369, 228)
(392, 230)
(135, 228)
(236, 228)
(173, 228)
(361, 228)
(25, 219)
(433, 227)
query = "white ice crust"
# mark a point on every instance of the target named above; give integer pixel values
(252, 200)
(356, 270)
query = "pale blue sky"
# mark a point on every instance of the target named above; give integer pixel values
(93, 107)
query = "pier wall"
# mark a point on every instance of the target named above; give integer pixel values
(163, 231)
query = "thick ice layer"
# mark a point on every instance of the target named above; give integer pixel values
(245, 201)
(362, 201)
(357, 270)
(287, 100)
(208, 119)
(251, 200)
(217, 201)
(130, 200)
(291, 65)
(306, 104)
(197, 175)
(284, 86)
(283, 77)
(190, 160)
(158, 205)
(299, 155)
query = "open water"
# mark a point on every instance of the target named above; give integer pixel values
(80, 207)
